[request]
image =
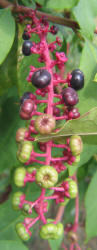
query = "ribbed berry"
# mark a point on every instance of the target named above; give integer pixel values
(77, 80)
(41, 78)
(26, 48)
(70, 96)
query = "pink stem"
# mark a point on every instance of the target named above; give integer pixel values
(39, 155)
(60, 117)
(42, 101)
(61, 189)
(33, 222)
(59, 159)
(72, 246)
(51, 197)
(75, 226)
(77, 246)
(58, 145)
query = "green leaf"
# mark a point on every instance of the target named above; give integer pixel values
(10, 122)
(91, 208)
(88, 64)
(84, 15)
(86, 126)
(64, 4)
(55, 244)
(8, 69)
(29, 3)
(14, 245)
(95, 78)
(7, 33)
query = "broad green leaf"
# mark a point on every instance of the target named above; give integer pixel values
(10, 122)
(84, 15)
(7, 33)
(91, 208)
(64, 4)
(88, 64)
(86, 126)
(14, 245)
(8, 69)
(95, 78)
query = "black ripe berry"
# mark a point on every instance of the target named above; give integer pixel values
(54, 29)
(25, 35)
(77, 80)
(26, 48)
(41, 78)
(25, 96)
(70, 96)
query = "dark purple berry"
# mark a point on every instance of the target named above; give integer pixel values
(25, 96)
(25, 35)
(75, 112)
(77, 80)
(54, 29)
(70, 96)
(42, 146)
(41, 78)
(26, 48)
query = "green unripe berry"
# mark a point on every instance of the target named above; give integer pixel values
(48, 231)
(19, 176)
(76, 144)
(31, 169)
(77, 160)
(72, 188)
(21, 231)
(46, 176)
(60, 230)
(24, 151)
(26, 208)
(16, 200)
(20, 134)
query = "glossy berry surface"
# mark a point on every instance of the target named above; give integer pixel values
(25, 35)
(25, 96)
(54, 29)
(26, 48)
(70, 96)
(41, 78)
(75, 112)
(77, 80)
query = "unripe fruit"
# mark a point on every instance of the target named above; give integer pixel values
(31, 169)
(76, 144)
(26, 48)
(24, 151)
(72, 188)
(70, 96)
(19, 176)
(48, 231)
(16, 200)
(77, 80)
(21, 231)
(20, 134)
(41, 78)
(44, 124)
(60, 230)
(46, 176)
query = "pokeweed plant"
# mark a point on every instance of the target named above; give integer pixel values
(46, 80)
(50, 144)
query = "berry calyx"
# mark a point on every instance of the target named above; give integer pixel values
(22, 232)
(20, 134)
(26, 48)
(70, 96)
(54, 29)
(45, 123)
(72, 188)
(76, 144)
(24, 151)
(19, 176)
(41, 78)
(16, 200)
(46, 176)
(77, 79)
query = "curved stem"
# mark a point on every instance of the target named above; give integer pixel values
(59, 214)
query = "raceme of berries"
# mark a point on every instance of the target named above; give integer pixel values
(41, 78)
(26, 48)
(58, 103)
(77, 79)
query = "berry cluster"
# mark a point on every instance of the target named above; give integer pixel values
(57, 107)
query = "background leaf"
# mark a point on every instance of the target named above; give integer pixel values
(14, 245)
(91, 211)
(64, 4)
(7, 33)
